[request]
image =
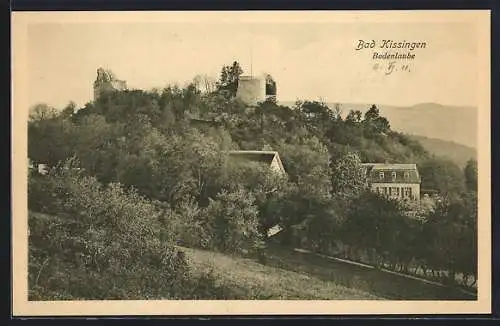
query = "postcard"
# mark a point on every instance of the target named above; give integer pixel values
(251, 163)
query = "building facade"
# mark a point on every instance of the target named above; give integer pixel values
(397, 181)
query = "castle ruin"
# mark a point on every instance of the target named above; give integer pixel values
(107, 82)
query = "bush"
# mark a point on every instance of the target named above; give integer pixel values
(40, 193)
(104, 243)
(233, 219)
(189, 226)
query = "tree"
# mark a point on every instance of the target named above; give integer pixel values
(442, 175)
(205, 159)
(229, 78)
(317, 117)
(374, 122)
(470, 173)
(308, 167)
(348, 178)
(452, 236)
(354, 116)
(219, 107)
(41, 112)
(205, 83)
(337, 111)
(268, 187)
(96, 144)
(372, 114)
(50, 136)
(69, 110)
(373, 222)
(234, 220)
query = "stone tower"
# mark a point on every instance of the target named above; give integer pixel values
(252, 90)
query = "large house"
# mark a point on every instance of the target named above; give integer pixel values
(269, 158)
(399, 181)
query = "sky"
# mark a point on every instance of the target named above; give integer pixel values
(308, 60)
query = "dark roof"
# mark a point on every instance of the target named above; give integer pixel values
(392, 173)
(258, 156)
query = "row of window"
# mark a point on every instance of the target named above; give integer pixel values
(393, 175)
(405, 192)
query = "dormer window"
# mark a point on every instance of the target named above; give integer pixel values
(407, 175)
(381, 175)
(393, 174)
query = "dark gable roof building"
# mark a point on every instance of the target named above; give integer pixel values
(269, 158)
(400, 181)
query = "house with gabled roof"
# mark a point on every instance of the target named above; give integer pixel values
(398, 181)
(269, 158)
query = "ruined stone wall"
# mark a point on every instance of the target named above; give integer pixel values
(107, 82)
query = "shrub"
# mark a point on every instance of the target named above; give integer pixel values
(233, 217)
(104, 243)
(40, 193)
(189, 225)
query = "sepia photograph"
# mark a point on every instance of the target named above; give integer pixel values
(251, 162)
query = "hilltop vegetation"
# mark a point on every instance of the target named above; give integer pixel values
(134, 175)
(459, 154)
(445, 122)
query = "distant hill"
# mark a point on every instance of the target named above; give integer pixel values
(458, 153)
(449, 123)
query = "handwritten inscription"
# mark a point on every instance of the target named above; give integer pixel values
(391, 67)
(390, 44)
(400, 53)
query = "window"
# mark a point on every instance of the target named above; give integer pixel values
(393, 176)
(407, 175)
(407, 192)
(381, 175)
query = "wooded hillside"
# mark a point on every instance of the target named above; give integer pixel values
(153, 172)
